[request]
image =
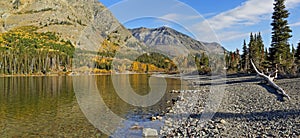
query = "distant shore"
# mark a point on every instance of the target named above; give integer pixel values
(154, 74)
(157, 74)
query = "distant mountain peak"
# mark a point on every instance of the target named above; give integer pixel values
(167, 39)
(164, 28)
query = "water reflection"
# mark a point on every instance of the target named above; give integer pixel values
(140, 85)
(47, 106)
(41, 107)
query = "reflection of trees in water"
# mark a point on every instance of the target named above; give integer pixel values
(41, 107)
(46, 106)
(139, 83)
(20, 96)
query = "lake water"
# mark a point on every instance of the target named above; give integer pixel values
(63, 106)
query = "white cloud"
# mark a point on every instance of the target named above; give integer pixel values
(292, 3)
(295, 24)
(177, 17)
(248, 13)
(226, 36)
(171, 16)
(209, 14)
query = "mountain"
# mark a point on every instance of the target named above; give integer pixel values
(42, 36)
(46, 36)
(173, 42)
(86, 23)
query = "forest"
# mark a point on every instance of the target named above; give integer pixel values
(144, 63)
(25, 51)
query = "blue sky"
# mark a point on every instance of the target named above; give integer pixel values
(225, 22)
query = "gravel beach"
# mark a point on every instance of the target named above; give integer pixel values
(249, 108)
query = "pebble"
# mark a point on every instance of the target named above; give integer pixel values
(159, 117)
(247, 110)
(222, 121)
(149, 132)
(153, 118)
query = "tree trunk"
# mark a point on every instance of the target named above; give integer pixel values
(270, 80)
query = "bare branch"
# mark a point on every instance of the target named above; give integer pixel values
(270, 79)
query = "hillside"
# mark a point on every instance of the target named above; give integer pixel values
(85, 23)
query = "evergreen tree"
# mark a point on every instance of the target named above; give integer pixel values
(261, 48)
(245, 57)
(293, 54)
(251, 46)
(202, 62)
(237, 59)
(280, 48)
(297, 53)
(266, 55)
(254, 53)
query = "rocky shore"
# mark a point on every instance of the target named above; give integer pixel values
(249, 108)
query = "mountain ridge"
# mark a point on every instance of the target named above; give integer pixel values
(165, 38)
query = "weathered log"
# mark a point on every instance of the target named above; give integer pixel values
(270, 80)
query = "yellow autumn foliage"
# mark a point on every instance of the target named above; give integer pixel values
(145, 68)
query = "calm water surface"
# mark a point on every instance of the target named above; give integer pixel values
(48, 107)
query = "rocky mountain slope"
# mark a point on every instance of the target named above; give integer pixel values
(89, 26)
(86, 23)
(173, 42)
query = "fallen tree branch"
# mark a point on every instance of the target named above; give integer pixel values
(270, 80)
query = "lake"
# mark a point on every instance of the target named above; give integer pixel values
(65, 106)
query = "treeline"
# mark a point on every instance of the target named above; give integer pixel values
(25, 51)
(263, 58)
(145, 63)
(281, 55)
(130, 60)
(254, 50)
(154, 62)
(158, 60)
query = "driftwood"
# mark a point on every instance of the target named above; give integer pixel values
(270, 80)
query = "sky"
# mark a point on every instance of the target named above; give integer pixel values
(227, 22)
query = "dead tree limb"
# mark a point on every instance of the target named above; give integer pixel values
(270, 80)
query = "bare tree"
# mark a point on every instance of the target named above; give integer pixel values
(270, 80)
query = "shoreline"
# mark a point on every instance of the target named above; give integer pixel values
(155, 74)
(248, 109)
(187, 77)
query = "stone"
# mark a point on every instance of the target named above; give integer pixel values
(153, 118)
(168, 123)
(136, 127)
(159, 118)
(222, 121)
(149, 132)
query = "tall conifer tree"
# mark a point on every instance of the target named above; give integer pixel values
(261, 48)
(297, 54)
(245, 57)
(281, 32)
